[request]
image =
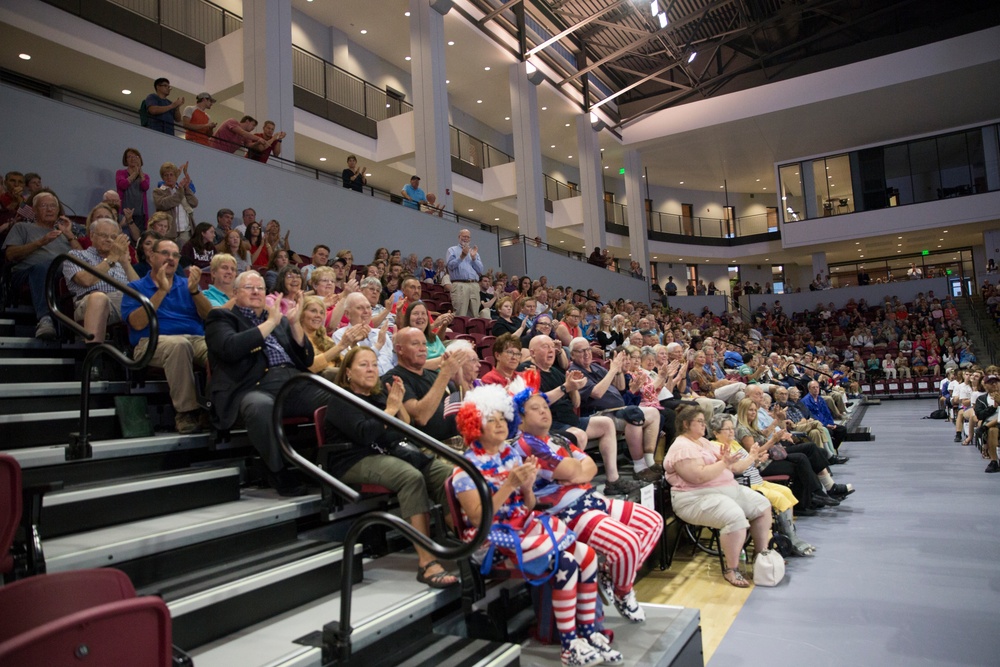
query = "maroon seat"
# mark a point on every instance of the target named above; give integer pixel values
(136, 631)
(485, 366)
(35, 601)
(10, 508)
(460, 324)
(479, 325)
(319, 417)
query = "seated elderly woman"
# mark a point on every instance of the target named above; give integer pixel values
(483, 422)
(780, 496)
(222, 292)
(704, 491)
(377, 456)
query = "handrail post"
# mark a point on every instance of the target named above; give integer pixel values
(79, 443)
(337, 635)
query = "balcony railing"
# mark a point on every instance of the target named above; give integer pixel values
(323, 78)
(475, 151)
(681, 225)
(556, 190)
(200, 20)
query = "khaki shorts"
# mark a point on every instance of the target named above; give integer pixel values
(114, 317)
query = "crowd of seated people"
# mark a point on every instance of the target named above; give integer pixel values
(970, 398)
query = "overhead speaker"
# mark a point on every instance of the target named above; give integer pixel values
(442, 7)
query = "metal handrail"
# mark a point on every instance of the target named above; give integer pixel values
(339, 632)
(578, 256)
(79, 443)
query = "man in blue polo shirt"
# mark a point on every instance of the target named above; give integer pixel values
(180, 311)
(413, 196)
(821, 412)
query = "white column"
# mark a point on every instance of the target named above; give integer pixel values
(527, 154)
(638, 241)
(819, 264)
(430, 101)
(591, 184)
(267, 67)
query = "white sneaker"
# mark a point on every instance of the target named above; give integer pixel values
(629, 609)
(580, 653)
(45, 329)
(603, 647)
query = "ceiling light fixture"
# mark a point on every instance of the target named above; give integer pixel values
(552, 146)
(24, 56)
(404, 13)
(364, 32)
(407, 58)
(471, 210)
(567, 124)
(545, 108)
(682, 182)
(569, 157)
(506, 117)
(692, 57)
(654, 7)
(126, 91)
(322, 159)
(479, 101)
(487, 68)
(663, 20)
(452, 43)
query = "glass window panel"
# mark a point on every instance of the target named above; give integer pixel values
(793, 203)
(977, 159)
(924, 166)
(820, 181)
(953, 155)
(898, 184)
(841, 191)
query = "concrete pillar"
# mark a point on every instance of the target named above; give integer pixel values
(819, 264)
(267, 67)
(430, 101)
(638, 241)
(591, 184)
(527, 153)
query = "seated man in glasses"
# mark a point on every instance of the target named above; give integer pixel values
(180, 311)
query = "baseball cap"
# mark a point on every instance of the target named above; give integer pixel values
(205, 96)
(991, 378)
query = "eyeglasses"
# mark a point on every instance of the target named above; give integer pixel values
(512, 352)
(698, 421)
(582, 351)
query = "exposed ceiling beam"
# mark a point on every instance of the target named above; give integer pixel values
(496, 12)
(576, 26)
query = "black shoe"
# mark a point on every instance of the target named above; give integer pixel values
(837, 460)
(621, 487)
(286, 483)
(993, 467)
(840, 491)
(823, 500)
(800, 510)
(648, 475)
(958, 437)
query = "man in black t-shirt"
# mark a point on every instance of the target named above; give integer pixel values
(425, 389)
(564, 418)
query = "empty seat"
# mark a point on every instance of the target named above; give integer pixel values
(10, 508)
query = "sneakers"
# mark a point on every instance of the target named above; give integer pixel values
(580, 653)
(629, 609)
(605, 587)
(45, 329)
(993, 467)
(601, 644)
(188, 422)
(958, 435)
(648, 475)
(621, 487)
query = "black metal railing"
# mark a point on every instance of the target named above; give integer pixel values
(556, 190)
(337, 635)
(681, 225)
(475, 151)
(324, 79)
(79, 443)
(200, 20)
(524, 242)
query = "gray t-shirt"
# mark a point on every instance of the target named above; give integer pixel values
(28, 232)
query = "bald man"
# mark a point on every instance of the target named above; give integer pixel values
(358, 310)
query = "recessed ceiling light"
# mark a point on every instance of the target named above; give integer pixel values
(404, 13)
(322, 159)
(471, 210)
(496, 219)
(758, 180)
(680, 259)
(766, 259)
(487, 68)
(899, 237)
(899, 245)
(407, 58)
(451, 43)
(506, 117)
(447, 80)
(569, 157)
(24, 56)
(945, 231)
(939, 246)
(126, 91)
(562, 242)
(899, 251)
(682, 183)
(857, 243)
(605, 166)
(721, 186)
(545, 108)
(860, 255)
(387, 105)
(567, 124)
(368, 174)
(763, 188)
(364, 32)
(479, 101)
(552, 146)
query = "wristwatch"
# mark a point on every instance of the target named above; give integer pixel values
(196, 292)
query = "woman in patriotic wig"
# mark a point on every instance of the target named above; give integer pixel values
(621, 531)
(539, 545)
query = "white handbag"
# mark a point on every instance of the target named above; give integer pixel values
(768, 568)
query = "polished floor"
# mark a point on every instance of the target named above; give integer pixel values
(907, 571)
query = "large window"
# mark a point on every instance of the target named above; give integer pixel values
(793, 203)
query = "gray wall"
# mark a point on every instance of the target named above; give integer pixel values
(875, 294)
(77, 153)
(718, 304)
(565, 271)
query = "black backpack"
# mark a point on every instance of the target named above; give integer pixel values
(938, 414)
(144, 114)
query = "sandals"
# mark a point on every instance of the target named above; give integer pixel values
(808, 550)
(438, 579)
(736, 578)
